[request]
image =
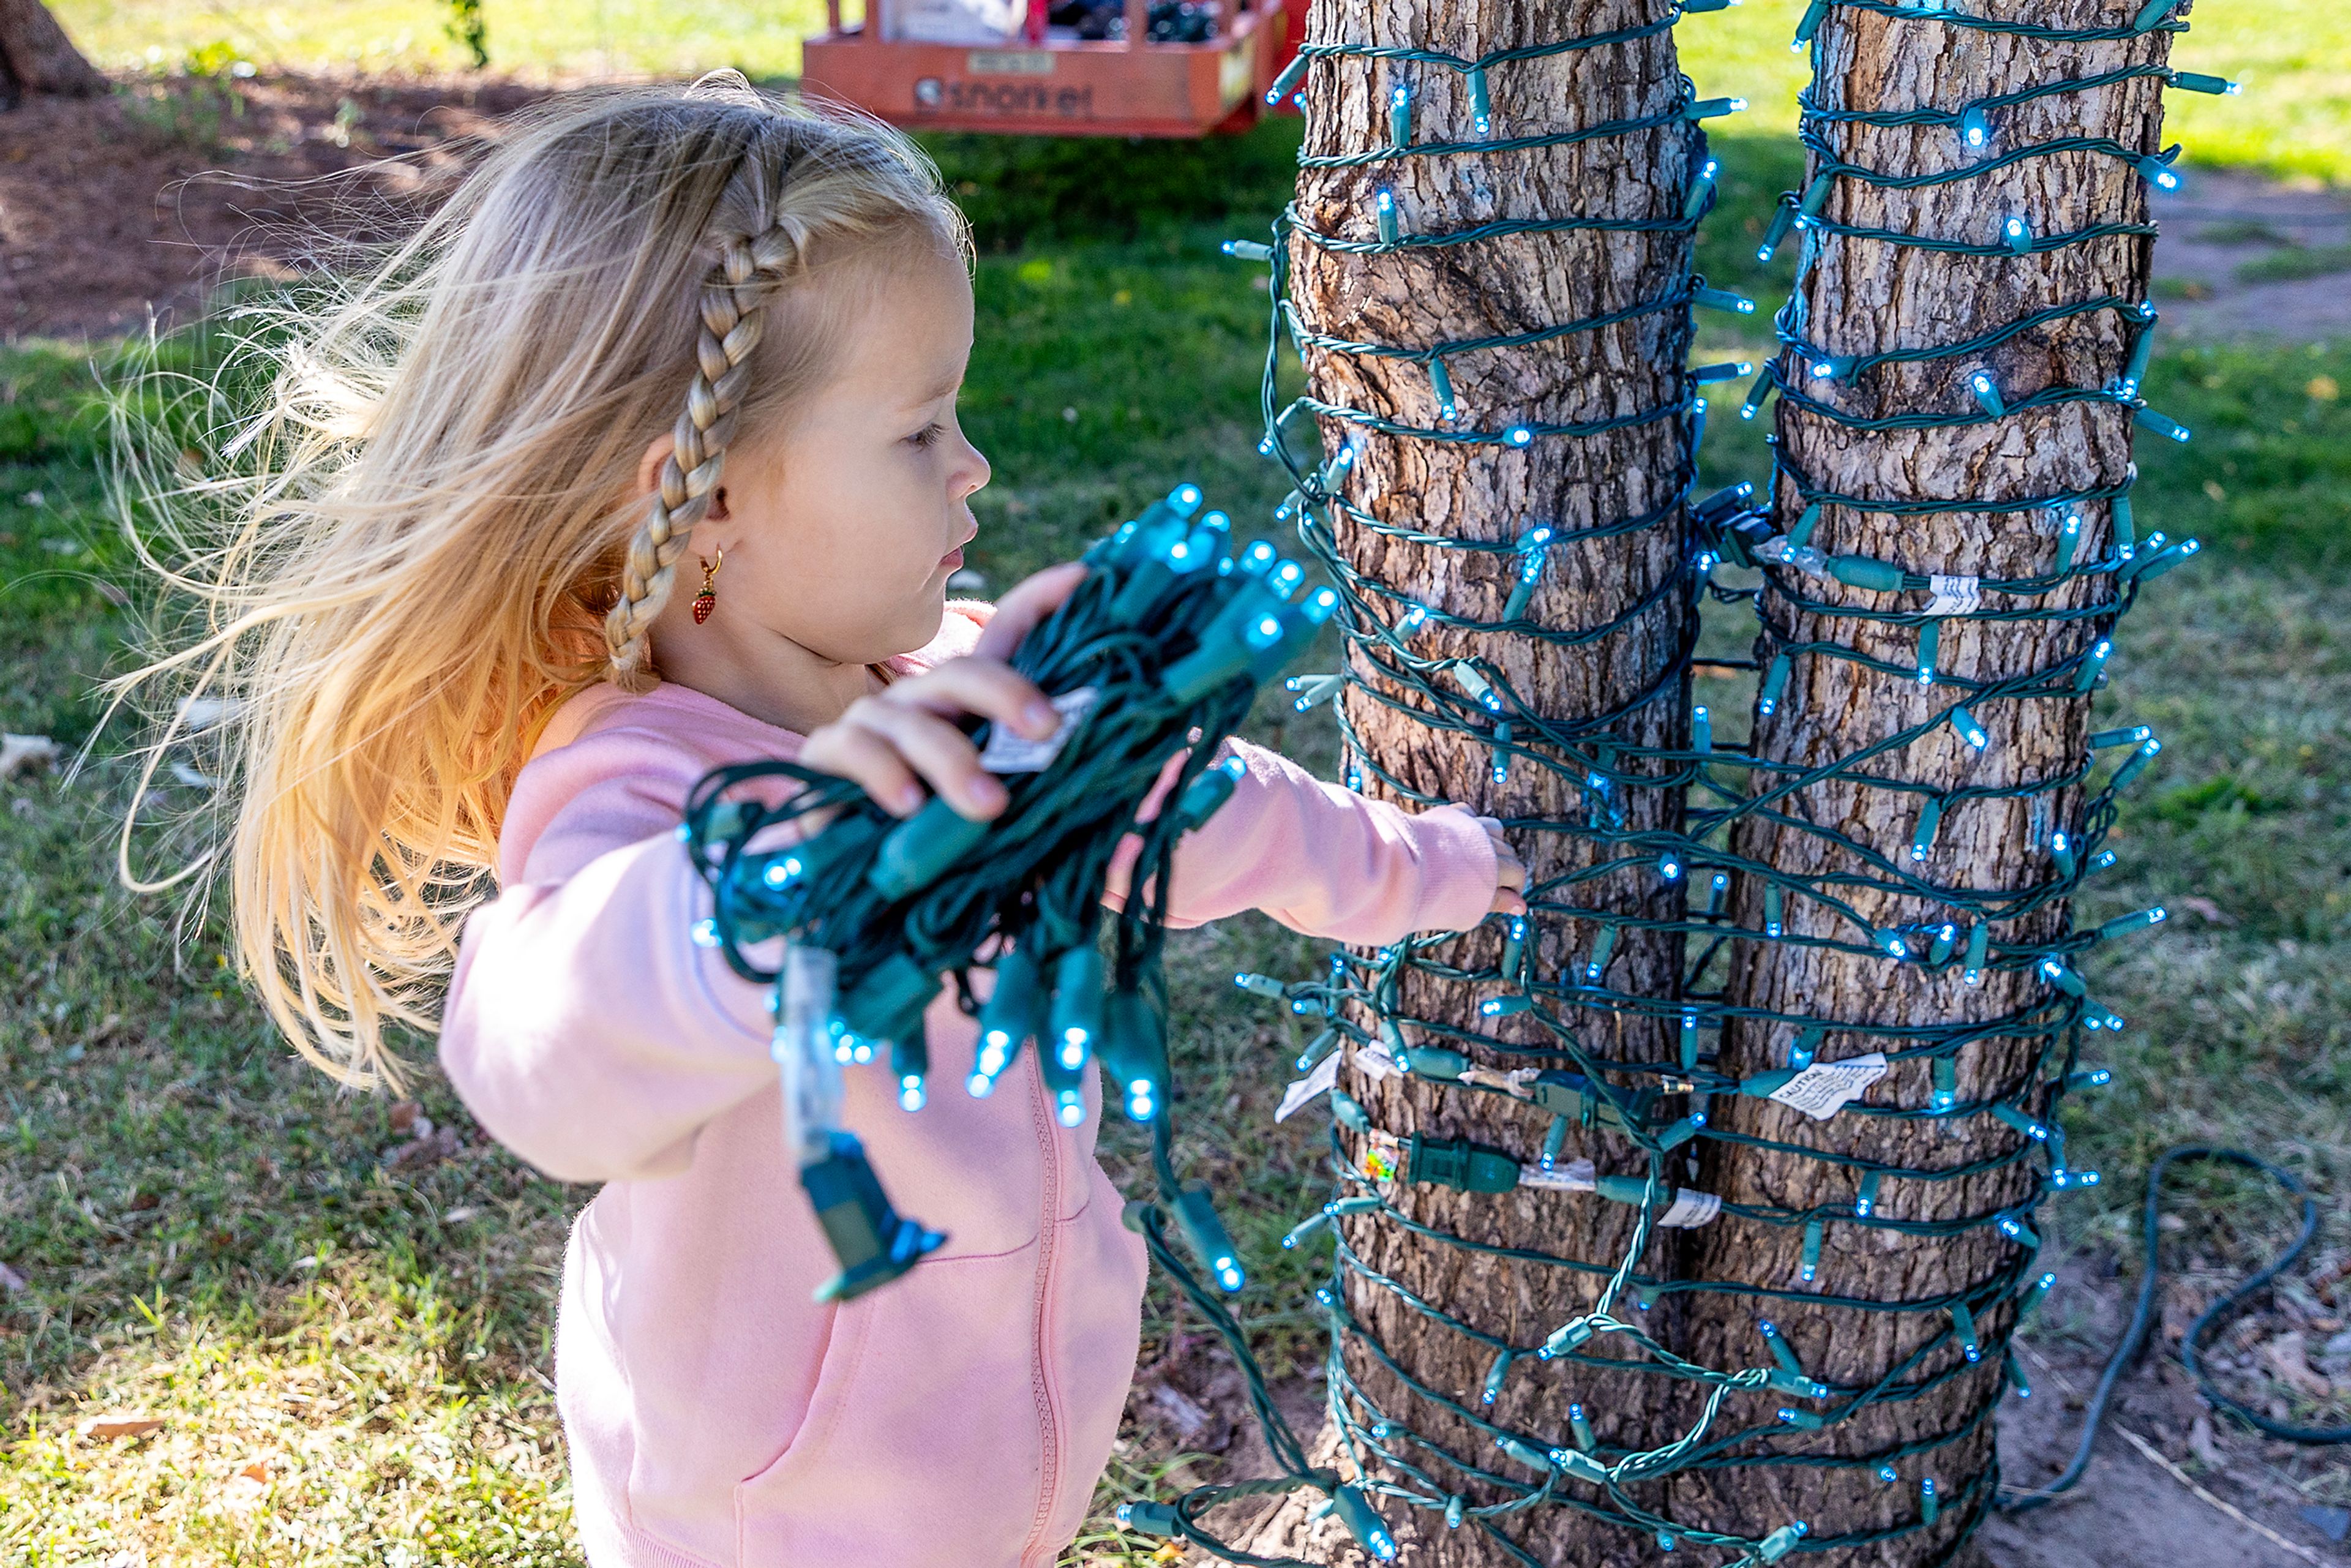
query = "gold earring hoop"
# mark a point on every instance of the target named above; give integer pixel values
(707, 599)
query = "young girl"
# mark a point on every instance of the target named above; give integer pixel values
(641, 459)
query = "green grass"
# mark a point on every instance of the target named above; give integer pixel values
(2292, 262)
(2293, 55)
(542, 40)
(2242, 230)
(212, 1236)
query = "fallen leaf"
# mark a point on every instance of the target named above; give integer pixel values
(145, 1201)
(459, 1215)
(24, 753)
(246, 1486)
(2204, 909)
(119, 1425)
(2201, 1442)
(421, 1153)
(2287, 1356)
(1190, 1419)
(405, 1117)
(11, 1280)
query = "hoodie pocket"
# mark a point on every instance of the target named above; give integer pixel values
(923, 1441)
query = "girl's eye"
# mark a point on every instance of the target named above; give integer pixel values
(928, 435)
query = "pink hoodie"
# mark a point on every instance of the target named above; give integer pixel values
(718, 1415)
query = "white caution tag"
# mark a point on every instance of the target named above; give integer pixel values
(1955, 595)
(1009, 753)
(1303, 1093)
(1822, 1090)
(1374, 1062)
(1690, 1208)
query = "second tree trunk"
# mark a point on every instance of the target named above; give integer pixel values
(1879, 1307)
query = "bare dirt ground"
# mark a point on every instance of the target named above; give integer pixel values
(112, 207)
(2129, 1508)
(2204, 1492)
(2219, 224)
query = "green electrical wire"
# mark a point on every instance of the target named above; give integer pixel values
(1157, 652)
(1723, 785)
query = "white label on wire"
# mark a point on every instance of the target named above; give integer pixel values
(1374, 1062)
(1569, 1176)
(1690, 1208)
(804, 1054)
(1303, 1093)
(1822, 1090)
(1009, 753)
(1955, 595)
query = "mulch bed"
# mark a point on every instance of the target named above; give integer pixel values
(150, 200)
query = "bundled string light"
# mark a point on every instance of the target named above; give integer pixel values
(1159, 651)
(1657, 1109)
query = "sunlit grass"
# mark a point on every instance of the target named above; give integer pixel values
(2293, 55)
(538, 40)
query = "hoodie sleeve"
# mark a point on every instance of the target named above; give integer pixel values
(1323, 859)
(584, 1028)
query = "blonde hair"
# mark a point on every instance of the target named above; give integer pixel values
(435, 532)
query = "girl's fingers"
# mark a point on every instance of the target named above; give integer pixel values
(1017, 612)
(935, 748)
(976, 685)
(1509, 871)
(863, 756)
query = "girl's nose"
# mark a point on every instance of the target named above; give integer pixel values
(973, 474)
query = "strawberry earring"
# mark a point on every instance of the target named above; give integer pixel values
(707, 599)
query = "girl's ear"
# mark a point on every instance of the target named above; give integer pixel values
(649, 468)
(649, 476)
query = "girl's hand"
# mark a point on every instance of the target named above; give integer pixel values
(1510, 872)
(893, 740)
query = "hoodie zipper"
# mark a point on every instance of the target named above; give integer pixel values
(1040, 1374)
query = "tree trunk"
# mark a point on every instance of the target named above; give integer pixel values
(1861, 295)
(1622, 686)
(36, 55)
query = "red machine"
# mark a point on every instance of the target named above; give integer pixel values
(1042, 83)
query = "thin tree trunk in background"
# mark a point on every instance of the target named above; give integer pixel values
(1416, 298)
(1863, 296)
(36, 55)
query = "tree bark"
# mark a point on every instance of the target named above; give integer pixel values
(36, 55)
(1418, 298)
(1862, 296)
